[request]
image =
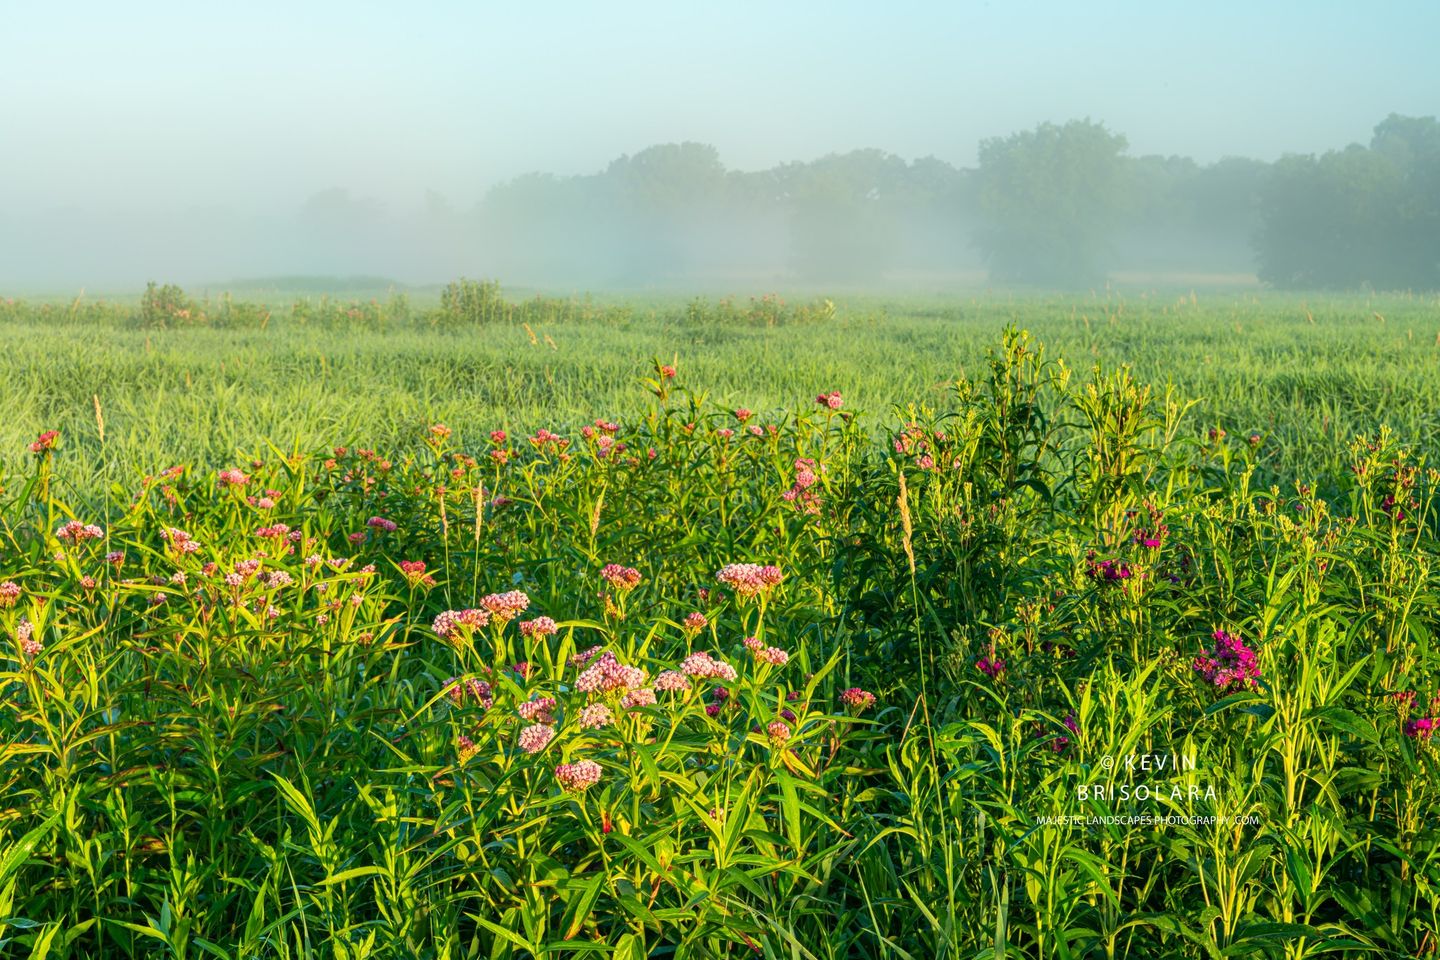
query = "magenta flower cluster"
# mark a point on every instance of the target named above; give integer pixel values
(1229, 663)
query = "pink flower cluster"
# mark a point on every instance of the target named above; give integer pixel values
(701, 664)
(9, 593)
(178, 540)
(233, 478)
(536, 737)
(621, 578)
(578, 776)
(749, 579)
(471, 688)
(672, 680)
(773, 656)
(831, 400)
(990, 666)
(778, 731)
(608, 674)
(538, 710)
(76, 531)
(505, 607)
(595, 716)
(454, 625)
(381, 524)
(25, 633)
(45, 442)
(539, 627)
(415, 575)
(695, 622)
(1230, 663)
(857, 699)
(1421, 729)
(806, 500)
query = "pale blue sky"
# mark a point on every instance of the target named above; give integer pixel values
(262, 103)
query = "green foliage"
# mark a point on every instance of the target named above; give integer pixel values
(1359, 216)
(1050, 198)
(273, 744)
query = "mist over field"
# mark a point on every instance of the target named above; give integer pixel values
(749, 147)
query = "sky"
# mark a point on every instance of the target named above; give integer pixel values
(261, 104)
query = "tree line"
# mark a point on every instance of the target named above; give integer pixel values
(1057, 205)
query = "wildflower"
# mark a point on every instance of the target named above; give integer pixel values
(535, 737)
(580, 659)
(539, 709)
(695, 622)
(439, 433)
(9, 593)
(25, 634)
(116, 558)
(778, 731)
(990, 667)
(749, 579)
(77, 532)
(1060, 742)
(701, 664)
(45, 442)
(724, 433)
(247, 568)
(621, 578)
(470, 688)
(639, 697)
(672, 680)
(505, 607)
(380, 523)
(667, 371)
(856, 699)
(595, 716)
(1230, 664)
(773, 656)
(465, 748)
(578, 776)
(497, 437)
(1421, 729)
(233, 478)
(539, 627)
(415, 575)
(607, 674)
(831, 400)
(743, 414)
(455, 625)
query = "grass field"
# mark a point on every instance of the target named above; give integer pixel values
(706, 629)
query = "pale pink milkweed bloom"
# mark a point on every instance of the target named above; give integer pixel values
(595, 716)
(233, 478)
(453, 625)
(505, 607)
(539, 627)
(774, 656)
(607, 674)
(672, 680)
(778, 731)
(620, 577)
(9, 593)
(857, 699)
(578, 776)
(539, 709)
(534, 738)
(639, 697)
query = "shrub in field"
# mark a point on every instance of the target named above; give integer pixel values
(168, 306)
(706, 681)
